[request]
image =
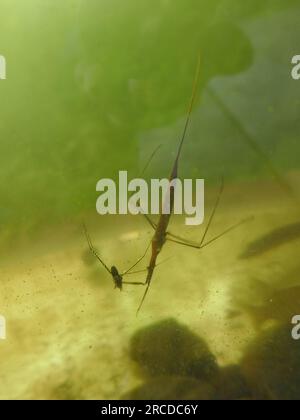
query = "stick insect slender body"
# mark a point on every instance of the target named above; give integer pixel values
(161, 234)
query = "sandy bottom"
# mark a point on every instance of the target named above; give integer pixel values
(68, 330)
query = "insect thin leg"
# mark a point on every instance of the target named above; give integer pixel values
(151, 223)
(213, 212)
(248, 219)
(213, 239)
(135, 272)
(135, 283)
(184, 241)
(139, 260)
(92, 249)
(145, 270)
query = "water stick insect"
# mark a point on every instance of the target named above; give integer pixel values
(161, 234)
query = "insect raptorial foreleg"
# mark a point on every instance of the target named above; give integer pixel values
(138, 261)
(151, 223)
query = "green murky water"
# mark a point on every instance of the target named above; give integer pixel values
(94, 87)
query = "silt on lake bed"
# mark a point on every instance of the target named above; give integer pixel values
(95, 88)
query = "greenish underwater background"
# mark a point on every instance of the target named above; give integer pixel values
(94, 87)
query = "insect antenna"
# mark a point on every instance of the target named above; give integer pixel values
(92, 249)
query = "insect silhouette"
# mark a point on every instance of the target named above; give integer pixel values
(161, 235)
(113, 271)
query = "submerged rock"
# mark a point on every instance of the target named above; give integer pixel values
(272, 240)
(280, 305)
(169, 348)
(172, 388)
(232, 385)
(271, 365)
